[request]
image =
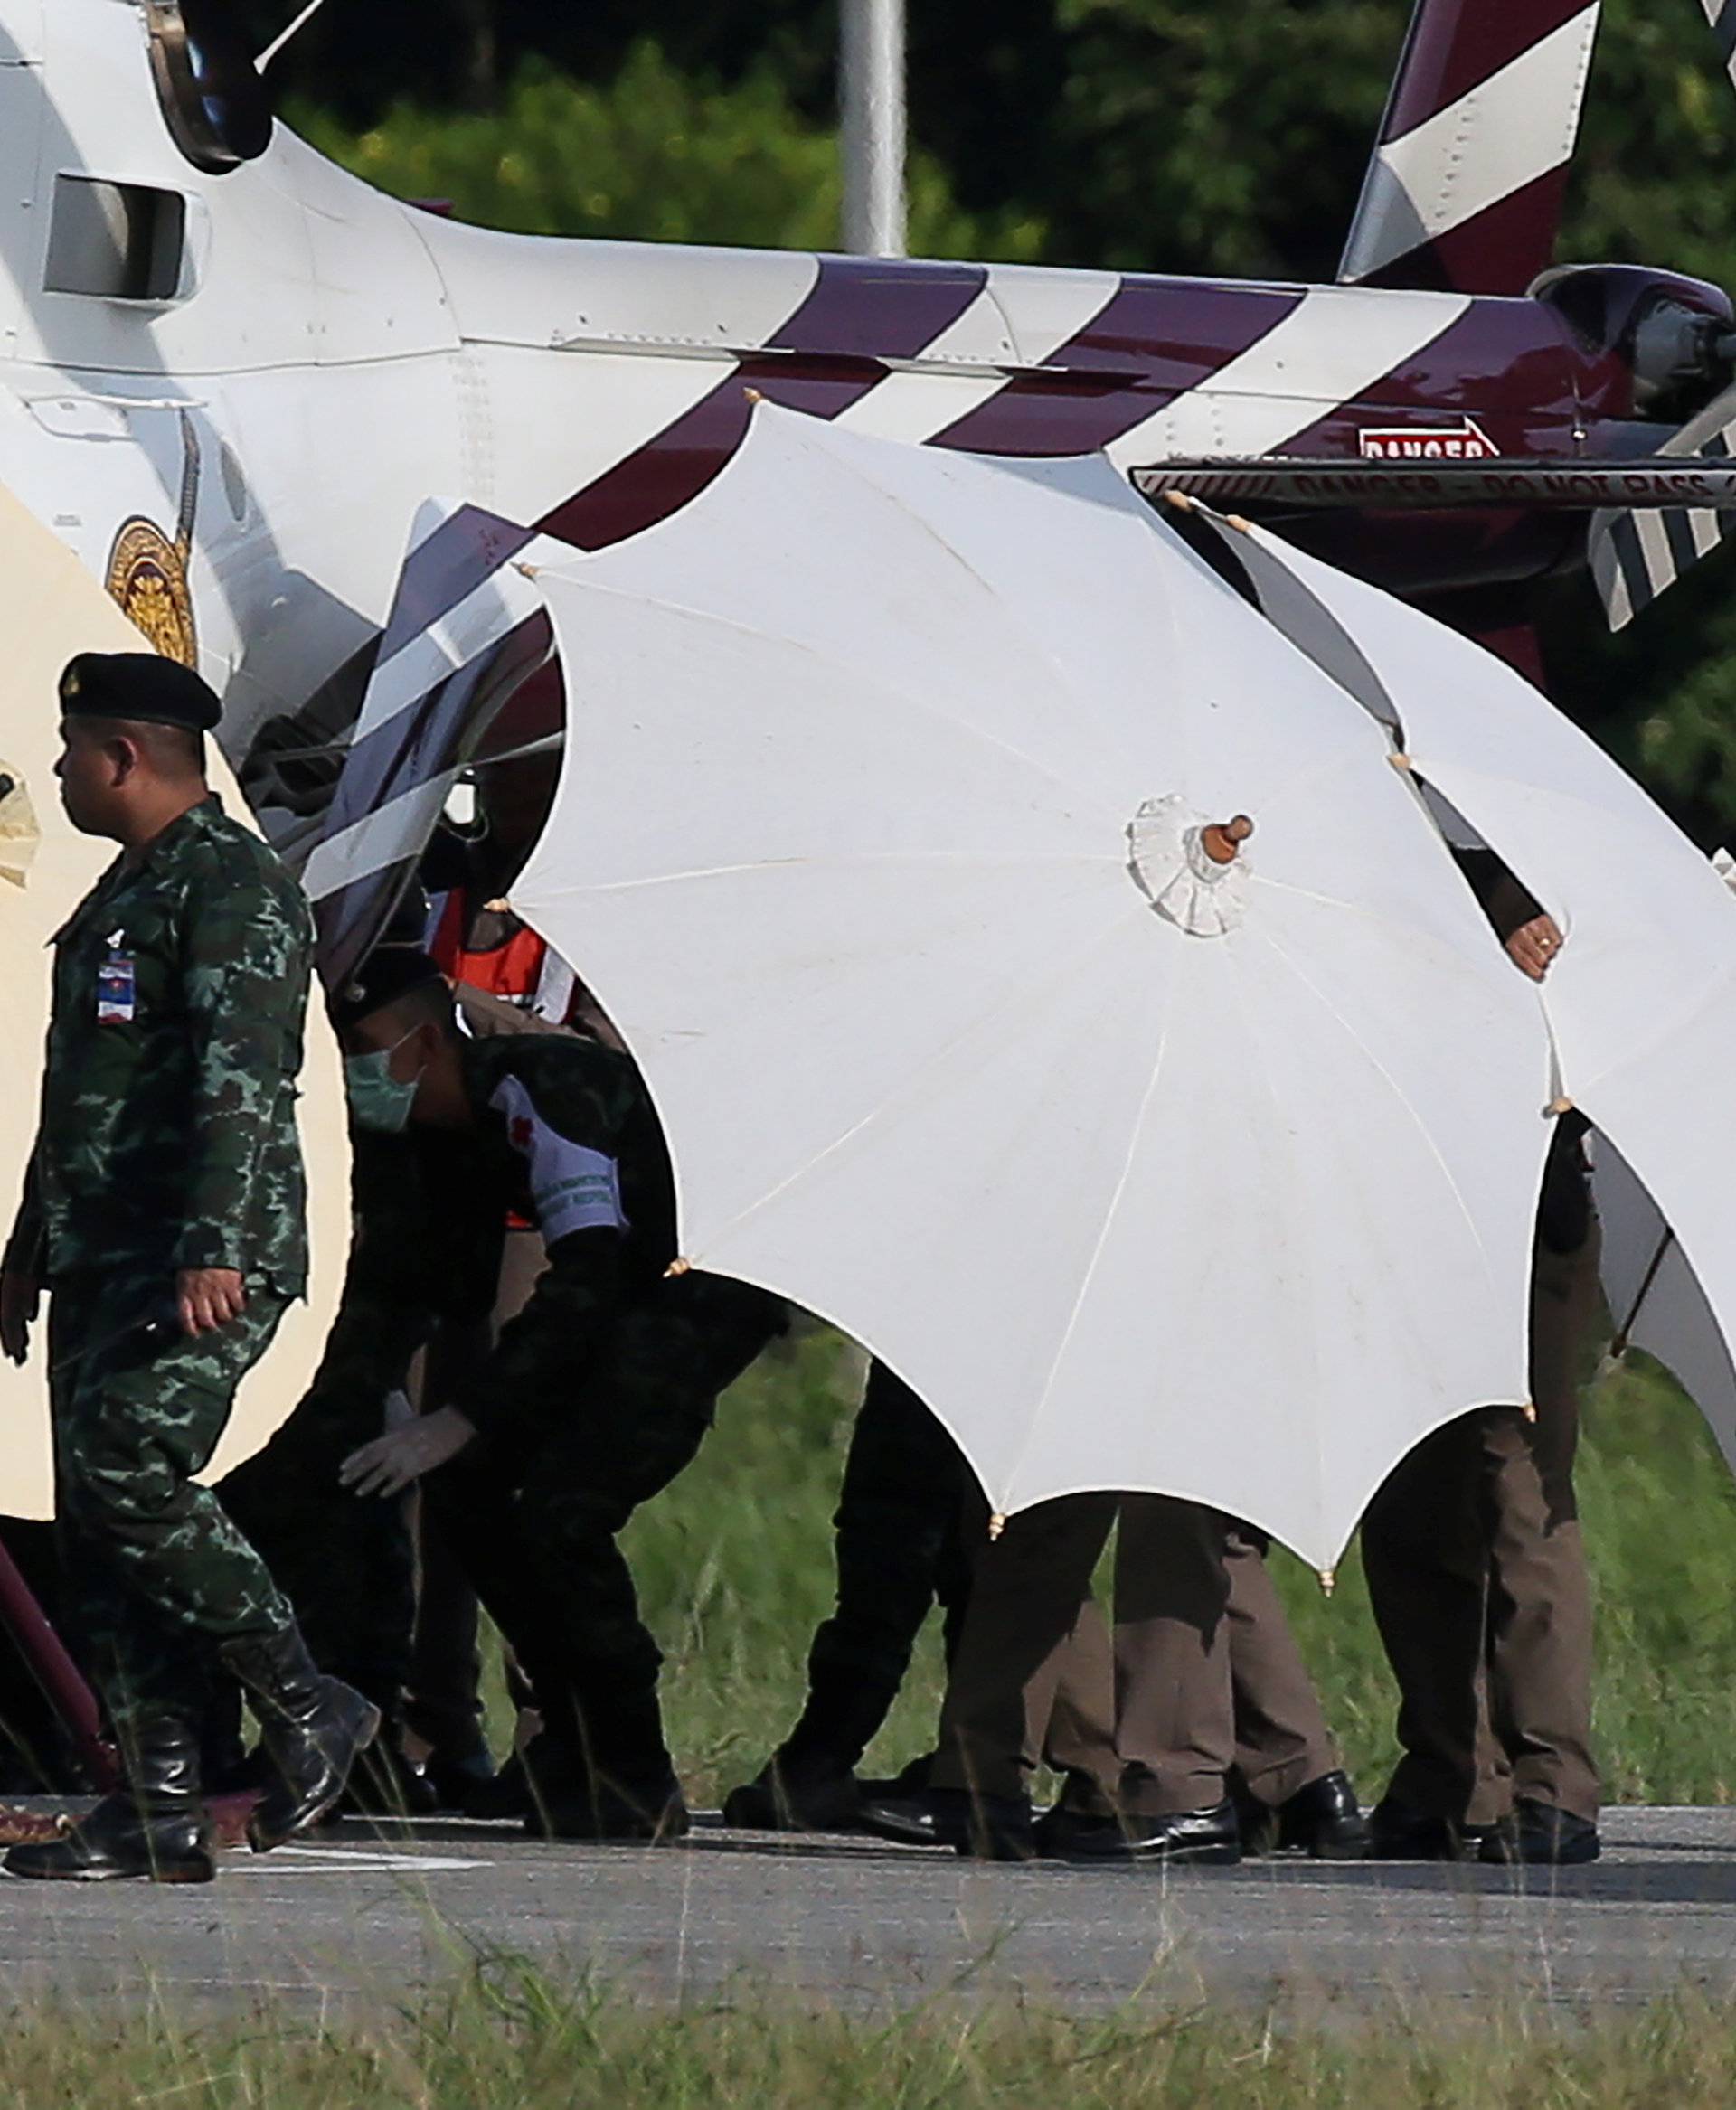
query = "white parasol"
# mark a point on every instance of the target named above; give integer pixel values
(881, 836)
(1641, 1002)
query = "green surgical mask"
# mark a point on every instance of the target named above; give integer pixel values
(378, 1100)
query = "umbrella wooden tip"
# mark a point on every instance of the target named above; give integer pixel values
(1179, 500)
(676, 1269)
(1529, 1411)
(754, 395)
(1223, 839)
(528, 570)
(1401, 760)
(1241, 526)
(1561, 1105)
(997, 1525)
(1328, 1578)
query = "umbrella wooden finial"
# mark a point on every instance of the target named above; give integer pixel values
(676, 1269)
(1223, 839)
(1179, 500)
(1401, 760)
(1328, 1581)
(753, 395)
(997, 1525)
(1561, 1105)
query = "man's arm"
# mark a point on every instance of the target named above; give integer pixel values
(522, 1389)
(1531, 935)
(245, 962)
(22, 1269)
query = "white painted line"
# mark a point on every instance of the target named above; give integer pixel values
(332, 1859)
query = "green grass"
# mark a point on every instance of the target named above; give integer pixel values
(508, 2038)
(734, 1564)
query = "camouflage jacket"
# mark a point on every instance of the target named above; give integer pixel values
(168, 1131)
(565, 1136)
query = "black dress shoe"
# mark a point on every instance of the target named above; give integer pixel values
(154, 1827)
(1540, 1835)
(452, 1782)
(506, 1793)
(982, 1827)
(1057, 1828)
(1397, 1832)
(1323, 1819)
(612, 1815)
(384, 1782)
(790, 1799)
(1210, 1837)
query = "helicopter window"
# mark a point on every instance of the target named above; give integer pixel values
(117, 241)
(218, 108)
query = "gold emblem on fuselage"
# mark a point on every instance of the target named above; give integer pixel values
(148, 573)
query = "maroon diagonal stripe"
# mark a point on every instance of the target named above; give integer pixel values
(1149, 342)
(859, 312)
(1455, 45)
(1500, 249)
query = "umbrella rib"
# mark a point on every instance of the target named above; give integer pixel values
(1092, 1265)
(865, 857)
(924, 704)
(1393, 1086)
(1015, 1000)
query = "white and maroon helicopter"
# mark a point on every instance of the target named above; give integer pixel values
(231, 373)
(299, 430)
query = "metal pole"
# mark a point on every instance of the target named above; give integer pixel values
(872, 71)
(62, 1682)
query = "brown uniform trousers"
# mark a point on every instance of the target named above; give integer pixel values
(1475, 1567)
(1205, 1674)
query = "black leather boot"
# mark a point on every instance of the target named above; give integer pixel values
(312, 1730)
(154, 1826)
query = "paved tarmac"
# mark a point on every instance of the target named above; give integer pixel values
(362, 1917)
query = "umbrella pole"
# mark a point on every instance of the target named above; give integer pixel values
(64, 1685)
(1618, 1346)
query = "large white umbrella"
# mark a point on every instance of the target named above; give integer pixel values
(1641, 1001)
(878, 837)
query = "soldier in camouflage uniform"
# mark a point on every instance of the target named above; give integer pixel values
(593, 1399)
(164, 1213)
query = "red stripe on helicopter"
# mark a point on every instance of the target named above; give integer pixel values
(859, 313)
(1456, 45)
(1498, 250)
(1124, 365)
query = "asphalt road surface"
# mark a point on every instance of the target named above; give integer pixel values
(367, 1914)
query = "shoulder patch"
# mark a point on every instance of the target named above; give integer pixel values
(573, 1188)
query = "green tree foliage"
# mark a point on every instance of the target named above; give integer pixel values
(655, 155)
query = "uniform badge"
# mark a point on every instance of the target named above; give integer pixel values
(116, 988)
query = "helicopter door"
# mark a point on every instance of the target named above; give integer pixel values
(21, 134)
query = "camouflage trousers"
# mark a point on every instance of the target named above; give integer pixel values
(347, 1566)
(156, 1575)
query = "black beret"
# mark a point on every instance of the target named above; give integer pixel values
(139, 686)
(389, 972)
